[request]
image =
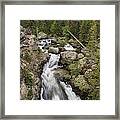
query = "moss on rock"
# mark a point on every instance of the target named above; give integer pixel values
(62, 74)
(62, 41)
(80, 82)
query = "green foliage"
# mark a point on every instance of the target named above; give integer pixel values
(74, 27)
(44, 26)
(28, 77)
(31, 24)
(65, 31)
(93, 40)
(80, 82)
(54, 28)
(84, 30)
(27, 56)
(62, 41)
(73, 67)
(30, 94)
(63, 74)
(94, 95)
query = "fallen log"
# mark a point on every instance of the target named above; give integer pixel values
(76, 39)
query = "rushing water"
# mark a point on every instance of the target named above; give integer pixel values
(53, 89)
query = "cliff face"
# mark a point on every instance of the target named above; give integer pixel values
(31, 64)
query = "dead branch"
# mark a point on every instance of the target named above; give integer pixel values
(76, 39)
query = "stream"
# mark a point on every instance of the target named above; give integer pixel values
(52, 88)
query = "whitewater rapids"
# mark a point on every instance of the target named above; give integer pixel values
(53, 89)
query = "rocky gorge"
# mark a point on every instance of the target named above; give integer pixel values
(76, 69)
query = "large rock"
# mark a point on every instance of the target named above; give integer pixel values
(21, 28)
(90, 64)
(23, 91)
(82, 62)
(80, 56)
(62, 74)
(22, 35)
(88, 73)
(68, 55)
(30, 39)
(94, 66)
(86, 52)
(69, 47)
(53, 50)
(91, 61)
(61, 49)
(53, 40)
(42, 35)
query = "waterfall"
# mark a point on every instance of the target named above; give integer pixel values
(53, 89)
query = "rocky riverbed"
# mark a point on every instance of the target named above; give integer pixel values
(77, 65)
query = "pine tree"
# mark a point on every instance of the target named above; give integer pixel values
(84, 30)
(93, 37)
(54, 28)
